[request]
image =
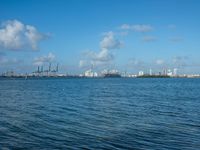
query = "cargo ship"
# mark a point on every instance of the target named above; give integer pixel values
(112, 74)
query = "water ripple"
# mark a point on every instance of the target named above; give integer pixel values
(100, 114)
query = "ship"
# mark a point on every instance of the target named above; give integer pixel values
(112, 74)
(154, 76)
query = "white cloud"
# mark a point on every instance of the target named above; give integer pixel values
(96, 58)
(105, 55)
(109, 42)
(125, 26)
(33, 36)
(14, 35)
(38, 61)
(149, 38)
(102, 55)
(160, 62)
(137, 27)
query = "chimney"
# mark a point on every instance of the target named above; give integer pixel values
(57, 68)
(38, 69)
(49, 67)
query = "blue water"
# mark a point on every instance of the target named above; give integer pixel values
(95, 114)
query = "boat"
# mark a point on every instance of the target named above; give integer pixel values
(112, 75)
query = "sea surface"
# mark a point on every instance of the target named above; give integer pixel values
(112, 114)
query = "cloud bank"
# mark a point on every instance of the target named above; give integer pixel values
(14, 35)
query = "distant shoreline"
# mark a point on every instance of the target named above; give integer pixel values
(83, 77)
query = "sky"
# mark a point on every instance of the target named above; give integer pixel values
(128, 35)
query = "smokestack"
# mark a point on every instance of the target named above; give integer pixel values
(49, 67)
(150, 71)
(57, 68)
(38, 69)
(92, 67)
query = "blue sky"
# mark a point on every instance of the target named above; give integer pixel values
(129, 35)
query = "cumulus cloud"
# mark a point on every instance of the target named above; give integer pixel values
(14, 35)
(137, 27)
(33, 36)
(101, 57)
(109, 42)
(38, 61)
(149, 38)
(105, 55)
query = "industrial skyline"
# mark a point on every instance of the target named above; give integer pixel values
(91, 73)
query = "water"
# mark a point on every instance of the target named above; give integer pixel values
(100, 114)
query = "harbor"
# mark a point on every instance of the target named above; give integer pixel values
(51, 72)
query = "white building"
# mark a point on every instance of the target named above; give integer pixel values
(150, 72)
(90, 73)
(175, 71)
(169, 72)
(141, 73)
